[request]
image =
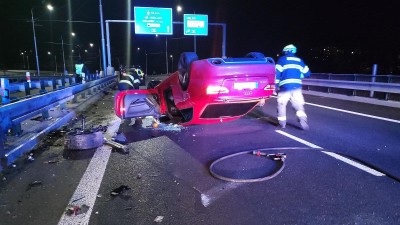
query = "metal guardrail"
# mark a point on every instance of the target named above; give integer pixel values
(371, 86)
(355, 85)
(20, 87)
(11, 115)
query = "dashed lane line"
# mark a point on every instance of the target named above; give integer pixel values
(354, 113)
(351, 112)
(311, 145)
(334, 155)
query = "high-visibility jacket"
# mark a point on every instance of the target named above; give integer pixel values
(140, 73)
(78, 68)
(290, 70)
(132, 80)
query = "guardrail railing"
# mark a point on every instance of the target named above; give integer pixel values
(13, 114)
(385, 87)
(20, 87)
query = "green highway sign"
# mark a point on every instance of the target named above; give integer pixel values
(150, 20)
(195, 24)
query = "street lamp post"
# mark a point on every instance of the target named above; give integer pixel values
(172, 63)
(145, 52)
(166, 52)
(27, 60)
(62, 46)
(49, 7)
(34, 40)
(55, 61)
(23, 59)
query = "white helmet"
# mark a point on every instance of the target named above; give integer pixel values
(289, 48)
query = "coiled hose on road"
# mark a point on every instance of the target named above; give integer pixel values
(279, 159)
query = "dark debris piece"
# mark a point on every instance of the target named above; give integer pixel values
(35, 183)
(76, 210)
(119, 190)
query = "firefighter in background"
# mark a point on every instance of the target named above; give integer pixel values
(128, 80)
(78, 72)
(290, 70)
(140, 73)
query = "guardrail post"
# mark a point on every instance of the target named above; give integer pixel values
(387, 94)
(27, 88)
(5, 91)
(329, 77)
(70, 81)
(3, 139)
(63, 81)
(42, 87)
(75, 99)
(63, 105)
(54, 82)
(16, 129)
(374, 69)
(45, 114)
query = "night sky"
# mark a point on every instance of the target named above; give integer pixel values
(370, 30)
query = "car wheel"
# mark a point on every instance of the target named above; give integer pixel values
(84, 140)
(185, 60)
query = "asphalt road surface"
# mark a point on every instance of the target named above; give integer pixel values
(344, 170)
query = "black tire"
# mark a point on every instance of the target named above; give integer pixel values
(84, 141)
(256, 55)
(185, 60)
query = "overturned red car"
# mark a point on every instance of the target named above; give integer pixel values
(203, 91)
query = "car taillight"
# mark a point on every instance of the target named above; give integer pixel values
(211, 90)
(269, 87)
(120, 108)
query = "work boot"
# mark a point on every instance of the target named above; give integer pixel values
(282, 123)
(303, 123)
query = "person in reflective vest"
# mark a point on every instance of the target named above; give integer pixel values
(140, 73)
(128, 80)
(78, 72)
(290, 70)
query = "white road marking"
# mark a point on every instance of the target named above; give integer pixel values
(311, 145)
(86, 192)
(351, 112)
(355, 164)
(213, 194)
(355, 113)
(334, 155)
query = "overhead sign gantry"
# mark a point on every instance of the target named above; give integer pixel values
(150, 20)
(195, 24)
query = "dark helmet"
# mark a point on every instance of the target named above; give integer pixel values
(123, 69)
(289, 49)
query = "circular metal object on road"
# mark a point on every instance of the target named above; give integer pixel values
(83, 140)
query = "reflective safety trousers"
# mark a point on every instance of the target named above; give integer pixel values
(296, 98)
